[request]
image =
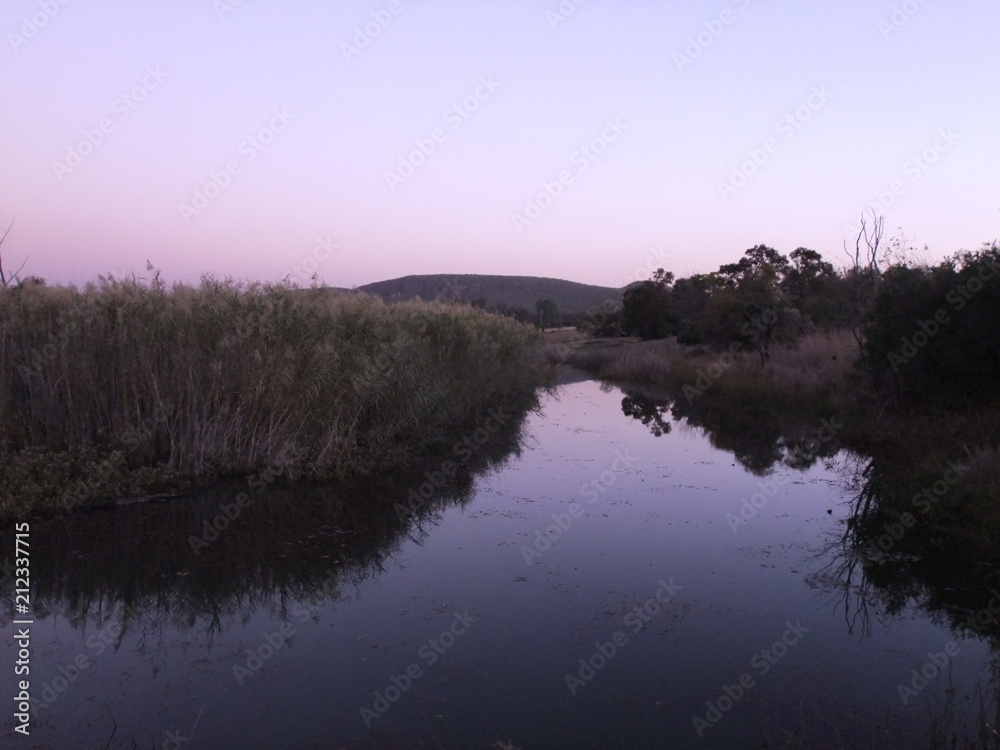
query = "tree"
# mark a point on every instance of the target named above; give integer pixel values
(518, 312)
(688, 301)
(814, 286)
(760, 265)
(646, 307)
(546, 310)
(807, 273)
(932, 332)
(754, 296)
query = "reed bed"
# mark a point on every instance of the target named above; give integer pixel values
(228, 378)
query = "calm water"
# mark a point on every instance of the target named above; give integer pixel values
(304, 624)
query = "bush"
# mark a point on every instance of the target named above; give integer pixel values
(934, 333)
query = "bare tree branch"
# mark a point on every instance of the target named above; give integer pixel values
(866, 272)
(3, 278)
(9, 278)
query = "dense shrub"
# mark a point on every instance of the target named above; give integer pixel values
(934, 330)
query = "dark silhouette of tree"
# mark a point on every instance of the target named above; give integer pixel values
(646, 307)
(546, 310)
(815, 287)
(932, 332)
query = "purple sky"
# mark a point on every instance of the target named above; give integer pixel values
(582, 145)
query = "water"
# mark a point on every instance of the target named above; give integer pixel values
(701, 620)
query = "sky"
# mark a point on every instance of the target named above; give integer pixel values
(588, 140)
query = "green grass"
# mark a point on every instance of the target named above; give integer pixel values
(193, 382)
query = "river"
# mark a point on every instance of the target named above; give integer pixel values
(601, 574)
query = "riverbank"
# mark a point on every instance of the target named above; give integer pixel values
(127, 389)
(911, 447)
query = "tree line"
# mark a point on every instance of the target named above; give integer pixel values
(923, 330)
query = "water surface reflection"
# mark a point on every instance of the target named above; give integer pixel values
(311, 608)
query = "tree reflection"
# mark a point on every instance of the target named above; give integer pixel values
(198, 562)
(756, 435)
(890, 556)
(880, 567)
(649, 411)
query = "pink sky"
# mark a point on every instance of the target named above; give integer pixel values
(369, 140)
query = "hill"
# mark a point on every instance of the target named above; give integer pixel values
(517, 291)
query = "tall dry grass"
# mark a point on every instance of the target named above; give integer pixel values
(820, 365)
(229, 378)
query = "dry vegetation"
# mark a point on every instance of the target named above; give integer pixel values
(102, 384)
(819, 366)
